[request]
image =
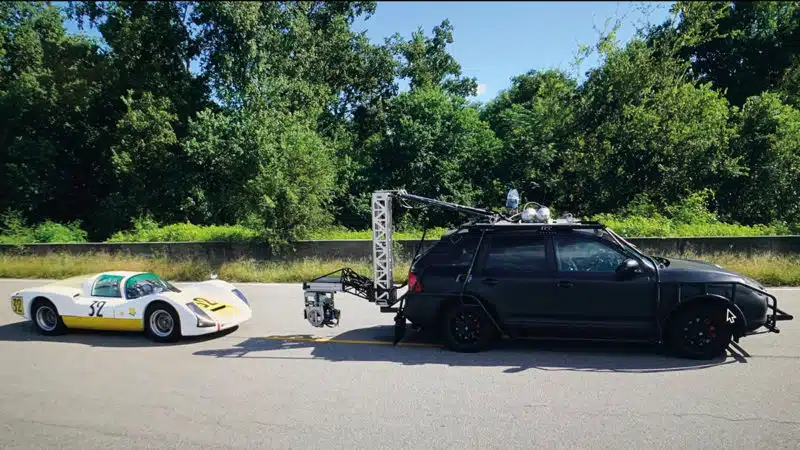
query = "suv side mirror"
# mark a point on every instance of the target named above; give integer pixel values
(628, 269)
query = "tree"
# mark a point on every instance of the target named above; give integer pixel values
(151, 48)
(427, 64)
(535, 120)
(741, 48)
(262, 168)
(147, 149)
(646, 129)
(433, 144)
(767, 143)
(51, 136)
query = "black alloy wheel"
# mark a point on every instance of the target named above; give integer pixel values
(467, 328)
(700, 332)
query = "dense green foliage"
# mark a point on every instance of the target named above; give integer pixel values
(14, 231)
(276, 120)
(149, 231)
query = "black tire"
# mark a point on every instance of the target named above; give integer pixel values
(467, 328)
(46, 319)
(161, 323)
(699, 331)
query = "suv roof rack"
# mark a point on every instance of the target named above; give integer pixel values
(590, 225)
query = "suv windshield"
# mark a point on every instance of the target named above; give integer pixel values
(663, 262)
(147, 284)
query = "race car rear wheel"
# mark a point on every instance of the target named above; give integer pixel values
(161, 323)
(45, 318)
(699, 331)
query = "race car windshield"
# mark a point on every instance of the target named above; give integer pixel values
(147, 284)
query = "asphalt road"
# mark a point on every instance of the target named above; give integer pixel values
(239, 390)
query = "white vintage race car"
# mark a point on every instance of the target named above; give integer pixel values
(132, 301)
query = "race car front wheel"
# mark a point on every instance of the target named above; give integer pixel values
(46, 319)
(161, 323)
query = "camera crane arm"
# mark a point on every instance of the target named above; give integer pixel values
(381, 290)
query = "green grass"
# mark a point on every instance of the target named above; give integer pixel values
(185, 232)
(768, 269)
(63, 265)
(771, 270)
(631, 226)
(659, 226)
(144, 230)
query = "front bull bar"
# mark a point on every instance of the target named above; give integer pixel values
(771, 324)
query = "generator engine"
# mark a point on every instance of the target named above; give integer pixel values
(320, 311)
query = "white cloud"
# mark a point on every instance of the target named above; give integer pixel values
(481, 89)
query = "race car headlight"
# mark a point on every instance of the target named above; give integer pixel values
(203, 320)
(241, 296)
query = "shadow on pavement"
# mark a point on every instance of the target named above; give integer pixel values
(514, 356)
(24, 332)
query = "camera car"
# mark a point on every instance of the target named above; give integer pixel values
(524, 274)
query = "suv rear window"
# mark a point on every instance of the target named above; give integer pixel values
(454, 250)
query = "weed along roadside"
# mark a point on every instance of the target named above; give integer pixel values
(767, 268)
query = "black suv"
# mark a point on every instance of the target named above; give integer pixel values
(483, 282)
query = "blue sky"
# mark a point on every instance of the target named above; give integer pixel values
(495, 41)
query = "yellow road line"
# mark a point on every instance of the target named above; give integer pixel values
(350, 341)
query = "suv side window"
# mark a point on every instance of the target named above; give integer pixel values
(580, 254)
(511, 255)
(455, 250)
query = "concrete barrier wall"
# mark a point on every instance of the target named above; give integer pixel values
(352, 249)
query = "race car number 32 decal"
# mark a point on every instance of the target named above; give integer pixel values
(16, 305)
(96, 312)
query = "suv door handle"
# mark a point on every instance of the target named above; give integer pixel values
(490, 281)
(565, 284)
(462, 277)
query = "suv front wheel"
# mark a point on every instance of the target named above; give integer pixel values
(467, 328)
(699, 331)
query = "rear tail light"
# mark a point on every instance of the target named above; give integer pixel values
(414, 284)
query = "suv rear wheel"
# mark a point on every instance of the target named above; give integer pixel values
(699, 331)
(467, 328)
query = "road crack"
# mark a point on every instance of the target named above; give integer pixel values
(742, 419)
